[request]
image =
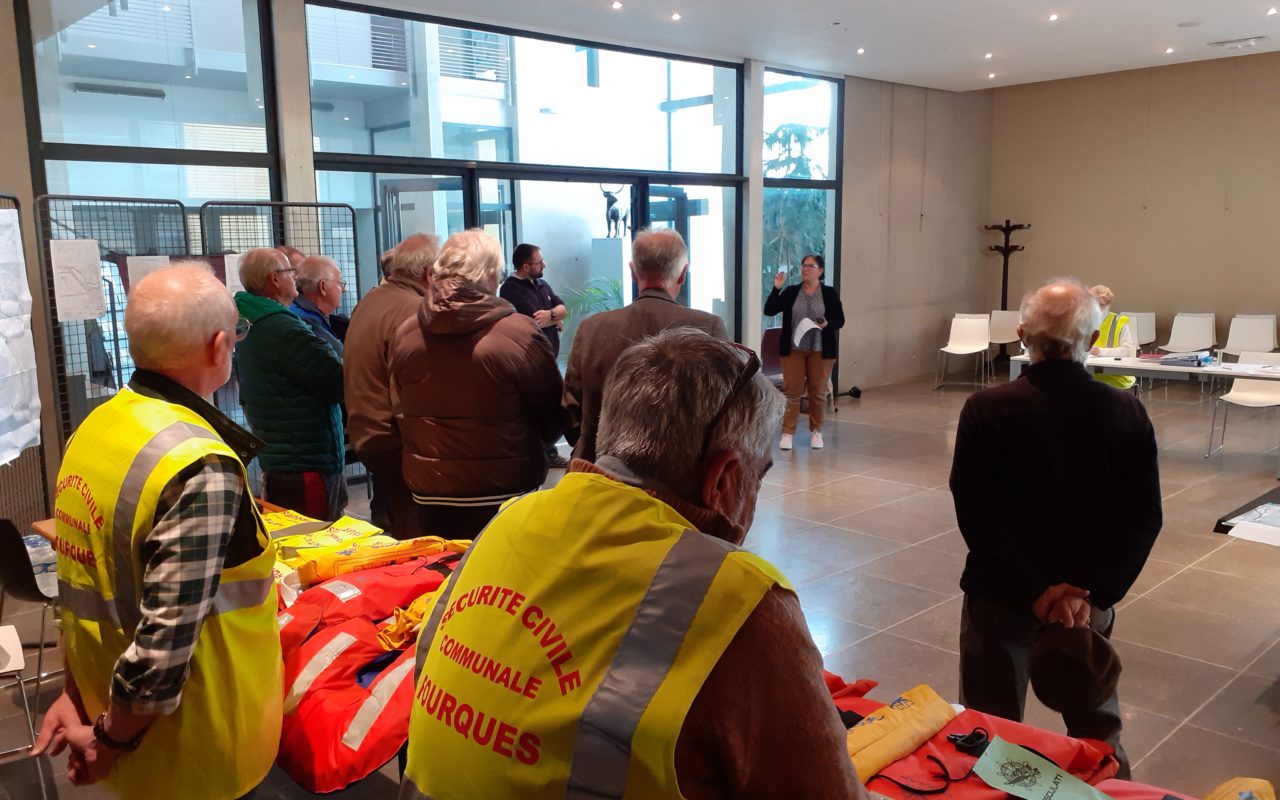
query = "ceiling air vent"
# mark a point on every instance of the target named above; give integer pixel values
(1247, 43)
(124, 91)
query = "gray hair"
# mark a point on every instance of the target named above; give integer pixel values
(257, 267)
(472, 255)
(413, 257)
(661, 395)
(173, 312)
(314, 269)
(659, 255)
(1059, 320)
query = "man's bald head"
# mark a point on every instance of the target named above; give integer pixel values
(413, 257)
(1060, 321)
(172, 319)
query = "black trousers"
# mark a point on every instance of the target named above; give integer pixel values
(995, 647)
(391, 507)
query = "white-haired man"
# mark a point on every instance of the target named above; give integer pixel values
(291, 388)
(1115, 337)
(1052, 548)
(173, 685)
(646, 653)
(660, 266)
(366, 376)
(476, 393)
(320, 288)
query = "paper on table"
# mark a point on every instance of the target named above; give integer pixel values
(1256, 532)
(77, 279)
(141, 266)
(231, 265)
(804, 327)
(19, 398)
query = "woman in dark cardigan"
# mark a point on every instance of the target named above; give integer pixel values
(806, 363)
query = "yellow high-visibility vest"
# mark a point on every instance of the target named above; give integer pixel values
(561, 658)
(1109, 336)
(222, 739)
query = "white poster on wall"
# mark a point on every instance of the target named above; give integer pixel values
(77, 279)
(141, 266)
(19, 396)
(231, 263)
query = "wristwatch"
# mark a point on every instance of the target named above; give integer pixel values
(100, 733)
(553, 315)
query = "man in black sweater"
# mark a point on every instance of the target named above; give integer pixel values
(1057, 494)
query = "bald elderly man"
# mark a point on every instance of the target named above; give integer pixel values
(173, 682)
(1077, 518)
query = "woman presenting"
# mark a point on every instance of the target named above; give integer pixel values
(811, 316)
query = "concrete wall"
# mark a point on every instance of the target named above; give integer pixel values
(1162, 183)
(916, 195)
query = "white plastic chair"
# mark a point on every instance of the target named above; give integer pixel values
(1252, 332)
(1247, 393)
(1004, 326)
(1144, 326)
(1192, 332)
(969, 336)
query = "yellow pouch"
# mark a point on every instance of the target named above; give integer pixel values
(1243, 789)
(290, 523)
(318, 564)
(406, 622)
(896, 730)
(340, 534)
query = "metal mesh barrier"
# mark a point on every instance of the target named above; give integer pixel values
(91, 357)
(23, 495)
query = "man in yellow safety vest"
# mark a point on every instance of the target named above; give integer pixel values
(608, 638)
(173, 683)
(1115, 338)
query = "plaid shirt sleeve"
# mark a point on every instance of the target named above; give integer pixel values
(182, 564)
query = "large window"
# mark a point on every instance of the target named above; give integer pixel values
(802, 175)
(153, 98)
(389, 86)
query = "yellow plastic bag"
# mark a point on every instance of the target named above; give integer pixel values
(290, 523)
(896, 730)
(406, 622)
(340, 534)
(321, 563)
(1243, 789)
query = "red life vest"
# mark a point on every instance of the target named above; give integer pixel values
(371, 594)
(337, 731)
(1090, 761)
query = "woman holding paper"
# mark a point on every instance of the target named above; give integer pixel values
(811, 319)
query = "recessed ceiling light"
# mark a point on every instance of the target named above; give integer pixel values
(616, 5)
(676, 16)
(992, 75)
(1168, 51)
(93, 47)
(988, 56)
(351, 77)
(346, 119)
(404, 83)
(1271, 12)
(260, 108)
(188, 77)
(1053, 17)
(165, 8)
(861, 50)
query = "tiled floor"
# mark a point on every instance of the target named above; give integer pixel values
(866, 531)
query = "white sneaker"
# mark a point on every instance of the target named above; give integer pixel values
(785, 442)
(815, 440)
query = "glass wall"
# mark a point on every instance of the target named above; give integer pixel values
(389, 86)
(802, 169)
(177, 74)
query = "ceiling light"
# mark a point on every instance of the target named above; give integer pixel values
(165, 8)
(1053, 17)
(93, 47)
(676, 16)
(260, 108)
(616, 5)
(346, 119)
(988, 56)
(188, 77)
(1168, 51)
(990, 76)
(351, 77)
(404, 83)
(861, 50)
(1271, 12)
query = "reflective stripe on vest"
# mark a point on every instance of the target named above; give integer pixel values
(603, 747)
(1109, 330)
(317, 665)
(232, 596)
(371, 708)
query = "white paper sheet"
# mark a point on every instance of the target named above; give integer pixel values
(77, 279)
(804, 327)
(231, 263)
(19, 396)
(1256, 532)
(141, 266)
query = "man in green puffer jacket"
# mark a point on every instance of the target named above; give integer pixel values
(291, 388)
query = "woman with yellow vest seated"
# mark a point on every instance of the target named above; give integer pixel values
(1115, 337)
(609, 638)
